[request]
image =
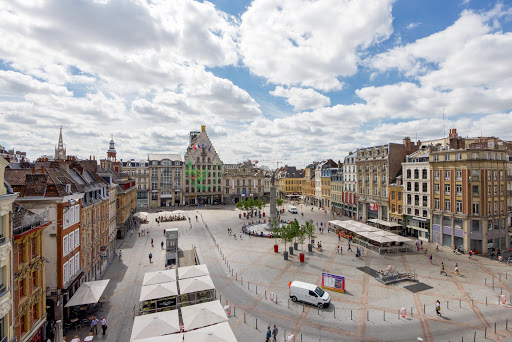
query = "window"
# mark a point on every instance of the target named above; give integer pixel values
(399, 209)
(77, 262)
(409, 186)
(392, 207)
(436, 203)
(77, 238)
(416, 187)
(475, 190)
(416, 174)
(436, 188)
(436, 157)
(393, 196)
(424, 174)
(458, 156)
(71, 241)
(447, 156)
(424, 201)
(425, 213)
(476, 208)
(409, 199)
(227, 182)
(447, 188)
(21, 257)
(416, 199)
(458, 189)
(399, 196)
(458, 205)
(34, 313)
(71, 264)
(65, 273)
(408, 174)
(447, 174)
(424, 187)
(436, 174)
(22, 288)
(65, 246)
(458, 174)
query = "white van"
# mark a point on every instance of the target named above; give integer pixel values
(309, 293)
(293, 209)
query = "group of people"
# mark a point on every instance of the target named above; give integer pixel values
(94, 325)
(271, 335)
(143, 232)
(178, 217)
(443, 271)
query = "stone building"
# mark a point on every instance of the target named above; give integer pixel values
(308, 187)
(416, 193)
(289, 182)
(60, 150)
(328, 168)
(241, 181)
(29, 275)
(377, 167)
(469, 196)
(396, 200)
(349, 197)
(165, 180)
(7, 197)
(139, 170)
(337, 190)
(203, 171)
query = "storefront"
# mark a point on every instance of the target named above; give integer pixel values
(373, 211)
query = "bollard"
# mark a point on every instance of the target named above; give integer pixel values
(485, 301)
(411, 311)
(231, 272)
(334, 311)
(247, 285)
(493, 283)
(350, 314)
(234, 311)
(384, 313)
(399, 314)
(485, 281)
(276, 299)
(300, 337)
(506, 324)
(256, 289)
(495, 328)
(236, 276)
(474, 337)
(485, 332)
(241, 281)
(367, 315)
(318, 310)
(265, 293)
(288, 303)
(460, 304)
(501, 290)
(500, 277)
(220, 298)
(244, 317)
(447, 304)
(256, 324)
(472, 302)
(423, 308)
(302, 307)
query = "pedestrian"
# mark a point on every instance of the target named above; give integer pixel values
(162, 244)
(151, 240)
(150, 257)
(103, 325)
(339, 236)
(240, 235)
(457, 269)
(94, 326)
(470, 253)
(338, 251)
(437, 246)
(438, 308)
(349, 248)
(341, 250)
(234, 235)
(442, 269)
(164, 232)
(120, 254)
(430, 258)
(269, 334)
(228, 231)
(139, 233)
(196, 219)
(274, 333)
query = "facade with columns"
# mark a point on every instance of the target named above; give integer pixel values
(202, 171)
(241, 181)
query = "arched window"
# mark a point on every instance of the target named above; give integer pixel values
(209, 160)
(198, 159)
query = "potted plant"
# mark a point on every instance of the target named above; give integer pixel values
(286, 236)
(301, 238)
(296, 230)
(309, 230)
(263, 204)
(258, 204)
(276, 230)
(240, 206)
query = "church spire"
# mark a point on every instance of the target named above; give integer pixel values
(60, 151)
(111, 153)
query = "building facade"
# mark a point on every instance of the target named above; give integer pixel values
(241, 181)
(203, 171)
(139, 170)
(337, 191)
(7, 197)
(29, 275)
(309, 190)
(378, 167)
(396, 200)
(328, 168)
(416, 192)
(165, 180)
(349, 198)
(289, 182)
(469, 197)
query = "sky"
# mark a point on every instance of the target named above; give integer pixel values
(273, 80)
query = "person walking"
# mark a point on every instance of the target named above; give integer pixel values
(269, 334)
(339, 236)
(240, 235)
(274, 333)
(196, 219)
(457, 268)
(438, 308)
(150, 257)
(103, 325)
(94, 326)
(430, 258)
(341, 250)
(152, 242)
(442, 269)
(349, 248)
(162, 245)
(338, 251)
(120, 254)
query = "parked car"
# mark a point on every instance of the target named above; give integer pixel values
(293, 209)
(309, 293)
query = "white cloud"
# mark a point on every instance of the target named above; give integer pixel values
(310, 43)
(302, 99)
(413, 25)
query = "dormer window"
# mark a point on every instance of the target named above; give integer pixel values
(67, 187)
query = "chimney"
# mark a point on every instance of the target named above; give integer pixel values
(453, 133)
(33, 169)
(418, 143)
(407, 143)
(43, 170)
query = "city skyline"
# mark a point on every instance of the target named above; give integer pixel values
(339, 76)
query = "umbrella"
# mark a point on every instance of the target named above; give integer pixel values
(202, 315)
(157, 324)
(152, 278)
(220, 332)
(88, 293)
(164, 290)
(192, 271)
(176, 212)
(197, 284)
(165, 338)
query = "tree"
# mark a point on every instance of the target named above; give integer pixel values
(309, 230)
(302, 237)
(240, 205)
(286, 234)
(276, 229)
(250, 203)
(295, 229)
(258, 204)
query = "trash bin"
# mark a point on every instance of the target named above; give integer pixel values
(301, 256)
(276, 248)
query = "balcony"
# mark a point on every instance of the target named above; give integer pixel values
(474, 178)
(3, 290)
(509, 192)
(4, 339)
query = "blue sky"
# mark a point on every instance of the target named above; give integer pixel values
(271, 79)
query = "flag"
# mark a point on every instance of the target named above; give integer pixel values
(209, 148)
(202, 145)
(195, 147)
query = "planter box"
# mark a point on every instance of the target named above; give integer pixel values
(276, 248)
(301, 257)
(291, 250)
(285, 255)
(310, 247)
(296, 246)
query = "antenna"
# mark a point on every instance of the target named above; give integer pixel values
(444, 125)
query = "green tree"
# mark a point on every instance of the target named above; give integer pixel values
(309, 230)
(286, 234)
(295, 229)
(279, 202)
(302, 237)
(240, 205)
(276, 229)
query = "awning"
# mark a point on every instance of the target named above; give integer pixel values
(192, 271)
(158, 277)
(202, 315)
(157, 324)
(385, 223)
(164, 290)
(165, 338)
(88, 293)
(220, 332)
(197, 284)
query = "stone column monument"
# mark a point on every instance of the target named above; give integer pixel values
(273, 211)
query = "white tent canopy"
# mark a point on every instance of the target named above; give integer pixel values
(220, 332)
(192, 271)
(165, 338)
(197, 284)
(88, 293)
(385, 223)
(384, 233)
(157, 324)
(164, 290)
(202, 315)
(380, 239)
(158, 277)
(141, 215)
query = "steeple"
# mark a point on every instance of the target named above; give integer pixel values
(60, 151)
(111, 153)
